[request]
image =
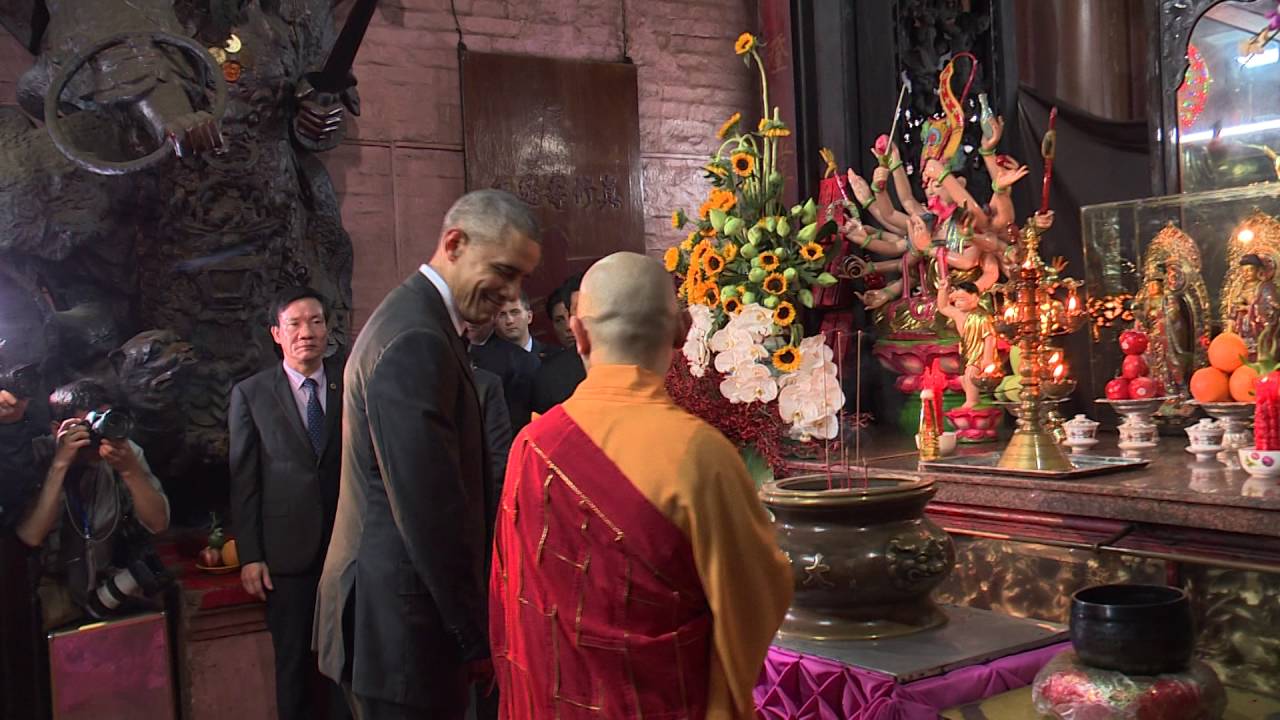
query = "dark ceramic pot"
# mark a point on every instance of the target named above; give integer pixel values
(863, 559)
(1133, 629)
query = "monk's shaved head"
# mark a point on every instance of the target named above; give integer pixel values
(628, 308)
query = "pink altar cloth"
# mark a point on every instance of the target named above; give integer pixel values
(794, 686)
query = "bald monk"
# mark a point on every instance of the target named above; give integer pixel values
(635, 573)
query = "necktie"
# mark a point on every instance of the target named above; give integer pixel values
(315, 415)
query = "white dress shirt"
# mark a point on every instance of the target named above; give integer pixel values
(300, 395)
(528, 345)
(446, 294)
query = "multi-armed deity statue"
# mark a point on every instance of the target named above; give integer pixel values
(948, 252)
(171, 190)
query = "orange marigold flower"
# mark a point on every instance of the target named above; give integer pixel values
(722, 199)
(775, 284)
(671, 259)
(769, 261)
(784, 314)
(746, 41)
(786, 358)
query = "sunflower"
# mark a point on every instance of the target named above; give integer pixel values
(708, 233)
(677, 219)
(712, 263)
(722, 199)
(705, 210)
(687, 244)
(729, 126)
(777, 132)
(746, 41)
(775, 284)
(743, 164)
(703, 247)
(768, 261)
(784, 314)
(786, 358)
(731, 305)
(730, 252)
(671, 259)
(709, 294)
(811, 252)
(716, 169)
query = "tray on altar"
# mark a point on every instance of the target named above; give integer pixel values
(1081, 466)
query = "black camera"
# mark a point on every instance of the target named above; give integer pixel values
(114, 424)
(139, 575)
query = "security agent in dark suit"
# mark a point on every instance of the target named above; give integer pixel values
(512, 325)
(286, 443)
(401, 617)
(561, 373)
(516, 367)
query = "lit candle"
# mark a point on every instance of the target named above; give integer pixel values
(1246, 235)
(1058, 372)
(1055, 358)
(1073, 303)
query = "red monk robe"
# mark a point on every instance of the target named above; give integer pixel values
(635, 573)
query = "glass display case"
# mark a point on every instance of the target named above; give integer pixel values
(1173, 265)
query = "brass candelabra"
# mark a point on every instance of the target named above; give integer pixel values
(1031, 316)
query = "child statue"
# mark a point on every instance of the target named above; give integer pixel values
(973, 323)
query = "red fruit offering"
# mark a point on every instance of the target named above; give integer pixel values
(210, 557)
(1133, 367)
(1143, 388)
(1133, 342)
(1118, 389)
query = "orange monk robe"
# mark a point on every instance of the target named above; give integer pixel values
(696, 478)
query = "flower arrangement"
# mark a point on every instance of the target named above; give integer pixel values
(745, 267)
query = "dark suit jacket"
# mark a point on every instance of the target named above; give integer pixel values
(543, 351)
(516, 368)
(407, 560)
(497, 430)
(556, 380)
(283, 496)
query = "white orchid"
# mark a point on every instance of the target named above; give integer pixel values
(750, 382)
(743, 355)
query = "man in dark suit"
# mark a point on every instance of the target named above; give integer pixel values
(559, 376)
(489, 351)
(512, 325)
(401, 617)
(286, 425)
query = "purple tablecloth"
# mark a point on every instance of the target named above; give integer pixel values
(804, 687)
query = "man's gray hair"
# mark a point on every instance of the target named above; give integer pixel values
(488, 215)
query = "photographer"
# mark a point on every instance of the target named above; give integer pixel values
(98, 493)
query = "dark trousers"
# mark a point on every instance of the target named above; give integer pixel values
(302, 693)
(367, 708)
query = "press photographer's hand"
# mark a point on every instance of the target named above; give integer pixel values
(73, 435)
(119, 455)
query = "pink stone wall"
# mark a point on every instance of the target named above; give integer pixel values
(402, 163)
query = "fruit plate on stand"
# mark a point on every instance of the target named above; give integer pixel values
(217, 569)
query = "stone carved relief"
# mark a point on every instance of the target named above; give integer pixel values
(1036, 581)
(1238, 619)
(189, 251)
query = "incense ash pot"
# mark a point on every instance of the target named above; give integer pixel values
(863, 558)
